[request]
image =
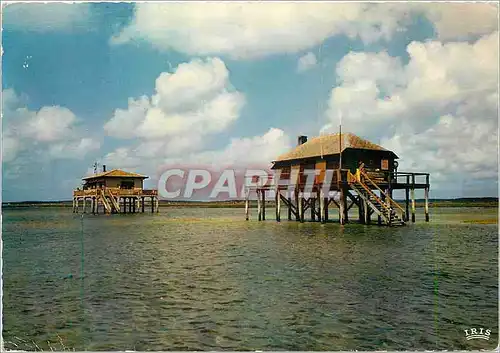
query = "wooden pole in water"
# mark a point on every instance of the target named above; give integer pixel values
(427, 198)
(301, 207)
(382, 198)
(289, 206)
(312, 205)
(321, 206)
(413, 198)
(297, 208)
(263, 204)
(407, 200)
(278, 205)
(259, 206)
(247, 208)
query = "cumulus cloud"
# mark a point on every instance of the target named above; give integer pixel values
(194, 101)
(256, 29)
(306, 62)
(46, 17)
(438, 112)
(253, 30)
(52, 131)
(240, 152)
(462, 20)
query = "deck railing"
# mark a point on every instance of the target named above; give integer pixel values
(116, 192)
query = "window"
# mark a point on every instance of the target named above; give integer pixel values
(385, 164)
(127, 184)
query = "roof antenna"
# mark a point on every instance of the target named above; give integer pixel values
(340, 139)
(95, 167)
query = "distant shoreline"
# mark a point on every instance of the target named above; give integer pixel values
(459, 202)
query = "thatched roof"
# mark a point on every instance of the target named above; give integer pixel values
(115, 173)
(326, 145)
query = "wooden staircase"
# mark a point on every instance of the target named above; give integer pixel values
(387, 209)
(105, 202)
(114, 203)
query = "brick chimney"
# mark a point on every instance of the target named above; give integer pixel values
(301, 140)
(104, 168)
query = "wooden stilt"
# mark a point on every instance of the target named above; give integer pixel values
(259, 205)
(312, 206)
(322, 206)
(301, 207)
(278, 205)
(327, 203)
(247, 204)
(142, 204)
(263, 204)
(382, 198)
(289, 206)
(341, 206)
(426, 197)
(361, 215)
(413, 198)
(407, 199)
(297, 202)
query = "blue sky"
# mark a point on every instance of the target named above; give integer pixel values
(400, 75)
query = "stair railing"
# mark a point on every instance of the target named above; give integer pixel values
(367, 189)
(390, 201)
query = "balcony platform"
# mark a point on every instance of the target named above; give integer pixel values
(115, 200)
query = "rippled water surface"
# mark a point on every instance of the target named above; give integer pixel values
(205, 279)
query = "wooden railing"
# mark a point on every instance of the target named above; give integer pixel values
(364, 178)
(116, 192)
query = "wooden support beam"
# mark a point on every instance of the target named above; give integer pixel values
(407, 199)
(382, 198)
(413, 198)
(289, 207)
(312, 206)
(152, 204)
(297, 207)
(278, 205)
(301, 207)
(259, 205)
(142, 204)
(427, 198)
(322, 200)
(342, 207)
(344, 201)
(247, 204)
(263, 204)
(326, 202)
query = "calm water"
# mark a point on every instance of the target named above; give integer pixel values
(205, 279)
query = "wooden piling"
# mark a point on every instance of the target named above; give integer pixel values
(297, 201)
(278, 205)
(312, 206)
(321, 206)
(263, 204)
(407, 199)
(413, 198)
(289, 206)
(426, 196)
(259, 206)
(301, 207)
(341, 206)
(247, 206)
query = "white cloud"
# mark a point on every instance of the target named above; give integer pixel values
(46, 17)
(438, 112)
(51, 131)
(306, 62)
(256, 29)
(242, 152)
(462, 20)
(249, 30)
(194, 101)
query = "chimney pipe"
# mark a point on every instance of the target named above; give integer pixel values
(104, 167)
(301, 140)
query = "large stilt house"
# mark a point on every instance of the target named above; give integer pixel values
(350, 171)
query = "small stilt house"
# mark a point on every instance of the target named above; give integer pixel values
(117, 191)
